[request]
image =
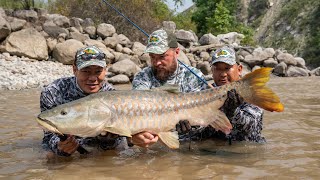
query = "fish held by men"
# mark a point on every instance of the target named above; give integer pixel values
(129, 112)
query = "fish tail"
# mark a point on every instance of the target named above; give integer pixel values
(258, 93)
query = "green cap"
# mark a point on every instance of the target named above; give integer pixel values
(160, 41)
(90, 55)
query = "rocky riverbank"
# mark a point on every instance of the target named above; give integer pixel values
(37, 47)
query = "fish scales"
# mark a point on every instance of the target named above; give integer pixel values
(129, 112)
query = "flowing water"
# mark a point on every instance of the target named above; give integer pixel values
(292, 150)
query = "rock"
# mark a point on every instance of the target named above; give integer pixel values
(119, 79)
(5, 29)
(123, 40)
(126, 67)
(183, 58)
(300, 62)
(76, 22)
(111, 42)
(270, 63)
(59, 20)
(92, 31)
(27, 42)
(209, 39)
(28, 15)
(316, 71)
(230, 38)
(79, 36)
(280, 69)
(287, 58)
(16, 24)
(205, 56)
(65, 52)
(138, 48)
(169, 25)
(294, 71)
(204, 67)
(105, 30)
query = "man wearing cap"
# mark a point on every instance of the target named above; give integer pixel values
(89, 70)
(163, 50)
(246, 119)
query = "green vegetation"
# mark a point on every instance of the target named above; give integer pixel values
(312, 51)
(218, 17)
(22, 4)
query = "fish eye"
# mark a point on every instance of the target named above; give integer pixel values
(63, 112)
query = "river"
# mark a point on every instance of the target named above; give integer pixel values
(292, 150)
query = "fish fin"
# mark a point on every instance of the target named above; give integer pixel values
(261, 95)
(171, 88)
(171, 139)
(120, 131)
(221, 122)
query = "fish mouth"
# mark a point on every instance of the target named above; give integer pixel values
(48, 125)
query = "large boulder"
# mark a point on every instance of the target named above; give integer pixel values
(59, 20)
(27, 42)
(294, 71)
(287, 58)
(138, 48)
(65, 52)
(126, 67)
(105, 30)
(119, 79)
(209, 39)
(28, 15)
(16, 24)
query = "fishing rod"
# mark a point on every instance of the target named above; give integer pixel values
(203, 80)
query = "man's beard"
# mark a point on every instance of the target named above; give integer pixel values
(163, 74)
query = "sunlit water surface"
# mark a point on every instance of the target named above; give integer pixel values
(292, 150)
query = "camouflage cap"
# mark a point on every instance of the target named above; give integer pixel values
(226, 55)
(160, 41)
(88, 56)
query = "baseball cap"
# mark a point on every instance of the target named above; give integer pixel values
(226, 55)
(88, 56)
(160, 41)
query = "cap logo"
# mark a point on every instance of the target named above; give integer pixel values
(89, 51)
(222, 53)
(154, 39)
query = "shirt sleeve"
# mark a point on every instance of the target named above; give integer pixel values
(141, 81)
(194, 83)
(50, 140)
(247, 123)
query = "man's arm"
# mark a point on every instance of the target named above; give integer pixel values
(141, 81)
(51, 140)
(247, 123)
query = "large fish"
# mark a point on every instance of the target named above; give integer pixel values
(129, 112)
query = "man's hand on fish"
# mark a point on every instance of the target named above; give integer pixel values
(144, 139)
(183, 127)
(69, 146)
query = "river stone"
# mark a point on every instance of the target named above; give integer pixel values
(65, 52)
(27, 42)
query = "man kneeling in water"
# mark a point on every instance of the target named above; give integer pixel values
(246, 119)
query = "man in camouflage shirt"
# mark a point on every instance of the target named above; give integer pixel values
(246, 119)
(163, 50)
(89, 70)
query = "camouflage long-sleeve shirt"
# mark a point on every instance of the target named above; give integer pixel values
(62, 91)
(187, 81)
(246, 120)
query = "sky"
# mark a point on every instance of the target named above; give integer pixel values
(186, 5)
